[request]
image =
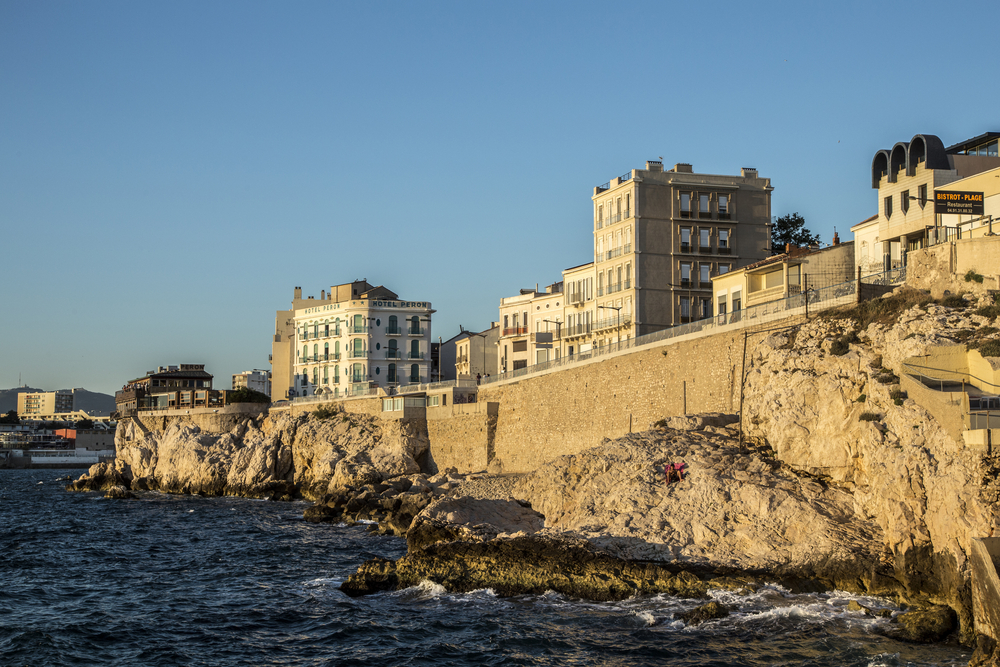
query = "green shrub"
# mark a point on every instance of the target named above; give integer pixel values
(861, 399)
(898, 397)
(988, 348)
(954, 301)
(972, 277)
(246, 395)
(323, 412)
(870, 417)
(989, 312)
(882, 311)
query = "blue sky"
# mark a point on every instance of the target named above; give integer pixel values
(169, 172)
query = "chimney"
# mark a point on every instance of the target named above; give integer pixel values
(654, 165)
(683, 168)
(322, 295)
(836, 238)
(298, 293)
(749, 172)
(789, 248)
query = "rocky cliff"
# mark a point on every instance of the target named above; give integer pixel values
(264, 456)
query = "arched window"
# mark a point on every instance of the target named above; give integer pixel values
(326, 375)
(358, 373)
(305, 353)
(393, 325)
(414, 373)
(415, 325)
(392, 373)
(415, 349)
(359, 323)
(336, 348)
(315, 375)
(393, 352)
(315, 352)
(336, 373)
(326, 351)
(359, 347)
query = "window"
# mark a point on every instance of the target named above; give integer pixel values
(685, 204)
(414, 373)
(991, 149)
(393, 352)
(888, 206)
(706, 308)
(904, 201)
(703, 210)
(723, 207)
(415, 349)
(723, 239)
(722, 306)
(703, 238)
(628, 276)
(706, 274)
(600, 284)
(326, 375)
(685, 274)
(315, 375)
(685, 308)
(305, 353)
(392, 373)
(359, 323)
(393, 324)
(315, 352)
(506, 322)
(358, 373)
(326, 351)
(723, 268)
(737, 301)
(600, 217)
(628, 197)
(415, 325)
(685, 239)
(600, 249)
(922, 195)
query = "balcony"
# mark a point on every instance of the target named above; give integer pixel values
(615, 252)
(515, 331)
(628, 284)
(575, 297)
(685, 247)
(393, 354)
(357, 354)
(600, 291)
(705, 215)
(600, 224)
(615, 218)
(393, 331)
(685, 214)
(724, 250)
(628, 248)
(415, 355)
(462, 359)
(705, 250)
(616, 287)
(612, 322)
(415, 331)
(704, 284)
(576, 330)
(628, 214)
(724, 216)
(686, 283)
(333, 356)
(353, 328)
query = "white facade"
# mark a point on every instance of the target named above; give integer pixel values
(255, 379)
(350, 346)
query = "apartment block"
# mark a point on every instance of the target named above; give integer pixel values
(350, 340)
(257, 380)
(36, 404)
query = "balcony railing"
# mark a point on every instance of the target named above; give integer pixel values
(576, 297)
(615, 218)
(393, 331)
(606, 186)
(393, 354)
(628, 284)
(724, 250)
(685, 282)
(627, 214)
(576, 330)
(600, 223)
(415, 355)
(614, 252)
(600, 291)
(724, 216)
(702, 284)
(627, 177)
(705, 249)
(515, 331)
(611, 322)
(353, 328)
(616, 287)
(704, 215)
(685, 214)
(357, 354)
(685, 247)
(628, 248)
(414, 331)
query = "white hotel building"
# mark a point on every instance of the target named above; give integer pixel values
(356, 338)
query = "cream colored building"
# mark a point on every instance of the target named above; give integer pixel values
(659, 238)
(476, 353)
(34, 405)
(971, 226)
(579, 310)
(522, 318)
(782, 276)
(349, 341)
(906, 177)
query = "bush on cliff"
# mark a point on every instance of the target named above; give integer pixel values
(247, 395)
(882, 311)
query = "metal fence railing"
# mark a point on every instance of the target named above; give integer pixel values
(818, 299)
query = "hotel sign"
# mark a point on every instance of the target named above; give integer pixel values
(948, 202)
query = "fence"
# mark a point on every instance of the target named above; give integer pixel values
(812, 299)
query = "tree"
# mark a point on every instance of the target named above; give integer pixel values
(790, 229)
(85, 424)
(10, 418)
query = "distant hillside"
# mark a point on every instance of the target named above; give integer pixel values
(90, 401)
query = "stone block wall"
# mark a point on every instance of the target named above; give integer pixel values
(461, 436)
(567, 411)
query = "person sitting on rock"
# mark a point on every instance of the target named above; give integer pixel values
(674, 472)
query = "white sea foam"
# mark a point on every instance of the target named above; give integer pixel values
(323, 582)
(366, 522)
(645, 617)
(427, 589)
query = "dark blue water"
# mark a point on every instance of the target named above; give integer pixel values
(176, 580)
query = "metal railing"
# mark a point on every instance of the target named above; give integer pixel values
(415, 355)
(393, 354)
(357, 354)
(817, 299)
(393, 331)
(351, 328)
(606, 186)
(434, 386)
(515, 331)
(415, 331)
(611, 322)
(628, 248)
(616, 217)
(616, 287)
(615, 252)
(627, 177)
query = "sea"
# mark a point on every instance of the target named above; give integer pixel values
(182, 580)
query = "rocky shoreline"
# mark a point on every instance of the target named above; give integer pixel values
(847, 484)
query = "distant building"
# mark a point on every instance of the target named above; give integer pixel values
(40, 404)
(476, 353)
(256, 379)
(906, 177)
(169, 387)
(523, 316)
(357, 337)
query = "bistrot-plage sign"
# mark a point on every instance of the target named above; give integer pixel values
(949, 202)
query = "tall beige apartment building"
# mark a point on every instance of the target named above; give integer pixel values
(659, 238)
(45, 403)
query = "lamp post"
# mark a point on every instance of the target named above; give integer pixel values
(558, 332)
(483, 336)
(618, 314)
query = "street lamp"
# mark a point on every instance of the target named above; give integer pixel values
(618, 314)
(558, 332)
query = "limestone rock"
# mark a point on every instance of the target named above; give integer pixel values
(924, 625)
(705, 612)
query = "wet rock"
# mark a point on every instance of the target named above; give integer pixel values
(119, 493)
(923, 625)
(705, 612)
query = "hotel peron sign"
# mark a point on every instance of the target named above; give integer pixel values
(948, 202)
